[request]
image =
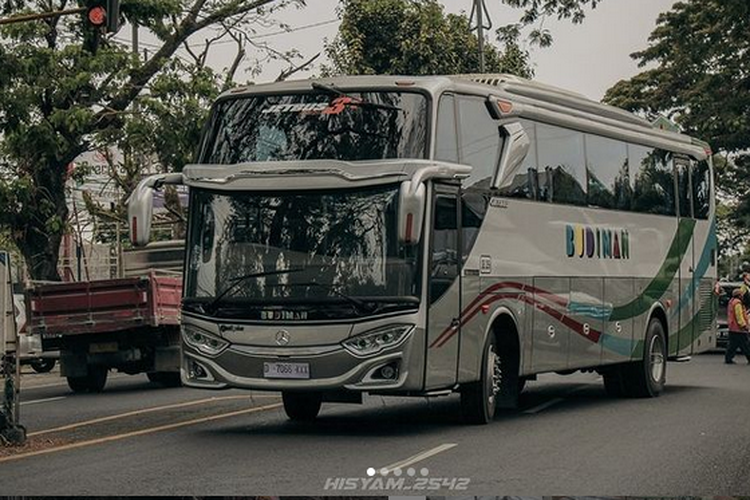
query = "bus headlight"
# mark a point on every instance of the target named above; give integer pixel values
(375, 341)
(203, 341)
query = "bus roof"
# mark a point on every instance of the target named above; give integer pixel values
(536, 100)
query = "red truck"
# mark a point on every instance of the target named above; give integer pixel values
(127, 324)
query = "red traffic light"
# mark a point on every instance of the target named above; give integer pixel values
(97, 16)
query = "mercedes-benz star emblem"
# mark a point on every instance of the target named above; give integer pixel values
(282, 337)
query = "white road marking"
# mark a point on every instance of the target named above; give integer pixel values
(416, 458)
(543, 406)
(142, 411)
(140, 432)
(45, 400)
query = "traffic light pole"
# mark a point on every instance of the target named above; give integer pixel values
(42, 15)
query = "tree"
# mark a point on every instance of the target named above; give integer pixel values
(58, 99)
(414, 37)
(701, 80)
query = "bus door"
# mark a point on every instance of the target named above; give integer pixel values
(687, 303)
(443, 289)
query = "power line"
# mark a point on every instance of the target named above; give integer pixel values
(256, 37)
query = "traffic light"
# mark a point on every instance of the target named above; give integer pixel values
(101, 16)
(104, 14)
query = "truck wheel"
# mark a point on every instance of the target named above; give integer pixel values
(93, 382)
(478, 398)
(646, 378)
(166, 379)
(41, 365)
(302, 406)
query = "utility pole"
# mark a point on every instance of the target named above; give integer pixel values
(479, 9)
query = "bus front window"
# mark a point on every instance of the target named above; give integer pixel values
(317, 126)
(299, 255)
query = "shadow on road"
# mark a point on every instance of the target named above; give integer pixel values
(382, 417)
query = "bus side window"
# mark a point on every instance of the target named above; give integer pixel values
(479, 141)
(683, 188)
(446, 140)
(701, 189)
(607, 168)
(561, 155)
(652, 178)
(444, 265)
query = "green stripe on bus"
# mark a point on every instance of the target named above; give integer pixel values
(688, 333)
(660, 284)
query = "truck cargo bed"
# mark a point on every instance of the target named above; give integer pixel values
(89, 307)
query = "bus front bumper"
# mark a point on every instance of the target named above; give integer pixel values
(330, 368)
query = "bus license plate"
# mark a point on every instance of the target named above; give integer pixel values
(286, 370)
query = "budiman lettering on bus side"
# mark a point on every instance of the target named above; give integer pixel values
(596, 242)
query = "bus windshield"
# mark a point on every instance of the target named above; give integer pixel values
(298, 255)
(318, 125)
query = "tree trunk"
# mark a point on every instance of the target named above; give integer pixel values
(39, 231)
(41, 251)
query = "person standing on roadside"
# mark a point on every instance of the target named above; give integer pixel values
(738, 327)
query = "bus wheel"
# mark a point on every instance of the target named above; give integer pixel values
(93, 382)
(613, 381)
(302, 406)
(646, 378)
(165, 379)
(478, 399)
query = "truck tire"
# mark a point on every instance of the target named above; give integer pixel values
(165, 379)
(93, 382)
(646, 378)
(302, 406)
(42, 365)
(478, 398)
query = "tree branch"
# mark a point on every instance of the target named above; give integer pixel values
(294, 69)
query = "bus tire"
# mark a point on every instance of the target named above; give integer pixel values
(302, 406)
(613, 382)
(93, 382)
(646, 378)
(165, 379)
(478, 399)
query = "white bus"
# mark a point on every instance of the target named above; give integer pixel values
(422, 236)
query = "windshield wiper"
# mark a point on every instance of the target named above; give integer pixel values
(355, 101)
(241, 279)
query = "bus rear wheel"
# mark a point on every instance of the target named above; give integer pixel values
(302, 406)
(646, 378)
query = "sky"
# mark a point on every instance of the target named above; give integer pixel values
(588, 58)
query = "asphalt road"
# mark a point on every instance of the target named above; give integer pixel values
(568, 438)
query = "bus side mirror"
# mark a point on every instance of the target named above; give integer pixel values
(517, 145)
(411, 212)
(141, 206)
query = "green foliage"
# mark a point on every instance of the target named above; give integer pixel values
(415, 37)
(58, 100)
(700, 51)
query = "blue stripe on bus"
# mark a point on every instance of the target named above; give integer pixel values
(700, 270)
(617, 345)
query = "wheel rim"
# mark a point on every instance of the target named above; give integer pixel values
(494, 370)
(656, 358)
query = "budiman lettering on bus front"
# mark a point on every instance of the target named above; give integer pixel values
(596, 242)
